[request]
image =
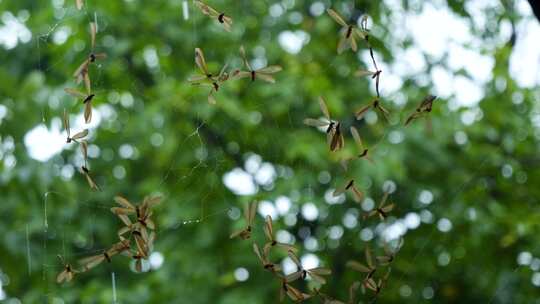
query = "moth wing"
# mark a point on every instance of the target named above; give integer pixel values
(336, 16)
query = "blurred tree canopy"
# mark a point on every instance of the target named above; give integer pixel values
(464, 179)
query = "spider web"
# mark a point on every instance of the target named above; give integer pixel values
(53, 199)
(94, 209)
(174, 175)
(47, 263)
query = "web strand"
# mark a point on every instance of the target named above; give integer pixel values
(113, 282)
(453, 196)
(28, 256)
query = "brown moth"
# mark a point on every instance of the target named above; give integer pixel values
(349, 33)
(81, 73)
(67, 273)
(369, 268)
(293, 293)
(383, 209)
(225, 20)
(389, 255)
(316, 273)
(78, 136)
(377, 286)
(373, 74)
(249, 214)
(206, 78)
(263, 258)
(350, 186)
(363, 150)
(142, 212)
(86, 172)
(263, 73)
(87, 101)
(334, 137)
(90, 262)
(423, 109)
(269, 233)
(374, 104)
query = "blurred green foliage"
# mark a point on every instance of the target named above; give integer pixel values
(494, 218)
